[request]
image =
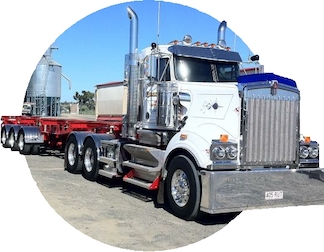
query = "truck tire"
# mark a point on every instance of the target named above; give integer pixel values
(4, 137)
(90, 161)
(24, 149)
(34, 149)
(72, 156)
(183, 189)
(12, 140)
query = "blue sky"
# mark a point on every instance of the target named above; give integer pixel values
(92, 51)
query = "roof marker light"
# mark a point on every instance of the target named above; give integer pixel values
(187, 39)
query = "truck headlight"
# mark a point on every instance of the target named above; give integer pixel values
(308, 154)
(313, 151)
(219, 152)
(303, 152)
(231, 152)
(225, 151)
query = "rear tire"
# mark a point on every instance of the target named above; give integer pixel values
(24, 149)
(72, 156)
(4, 138)
(183, 189)
(90, 166)
(13, 143)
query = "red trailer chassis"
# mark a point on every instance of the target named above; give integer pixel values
(55, 130)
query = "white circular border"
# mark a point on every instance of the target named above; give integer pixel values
(285, 35)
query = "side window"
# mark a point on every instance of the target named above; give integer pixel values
(164, 69)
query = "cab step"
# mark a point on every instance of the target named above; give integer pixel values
(141, 167)
(129, 178)
(109, 173)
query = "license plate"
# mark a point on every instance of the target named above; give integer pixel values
(274, 195)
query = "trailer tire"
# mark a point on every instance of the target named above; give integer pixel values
(5, 137)
(73, 156)
(35, 149)
(12, 140)
(24, 149)
(183, 189)
(90, 161)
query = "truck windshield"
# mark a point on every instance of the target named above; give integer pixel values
(202, 70)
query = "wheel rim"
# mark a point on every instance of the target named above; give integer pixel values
(11, 140)
(180, 188)
(3, 137)
(71, 154)
(88, 159)
(21, 142)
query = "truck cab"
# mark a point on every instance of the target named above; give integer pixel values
(28, 108)
(206, 134)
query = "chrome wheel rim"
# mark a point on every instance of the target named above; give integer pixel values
(88, 159)
(11, 140)
(180, 188)
(21, 142)
(3, 137)
(71, 154)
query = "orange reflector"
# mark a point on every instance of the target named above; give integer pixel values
(307, 139)
(183, 137)
(223, 138)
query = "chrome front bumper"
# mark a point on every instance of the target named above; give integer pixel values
(232, 191)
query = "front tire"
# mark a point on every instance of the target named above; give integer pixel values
(90, 161)
(183, 189)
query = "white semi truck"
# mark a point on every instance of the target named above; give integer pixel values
(187, 122)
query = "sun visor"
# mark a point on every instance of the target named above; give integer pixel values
(205, 53)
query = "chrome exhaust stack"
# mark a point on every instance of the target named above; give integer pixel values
(132, 77)
(221, 34)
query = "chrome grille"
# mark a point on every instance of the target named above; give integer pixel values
(270, 128)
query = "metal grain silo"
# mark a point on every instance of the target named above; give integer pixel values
(44, 88)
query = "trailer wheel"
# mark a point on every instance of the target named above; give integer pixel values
(72, 156)
(183, 190)
(4, 138)
(35, 149)
(90, 161)
(24, 149)
(13, 143)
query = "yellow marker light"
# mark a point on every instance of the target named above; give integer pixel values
(223, 138)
